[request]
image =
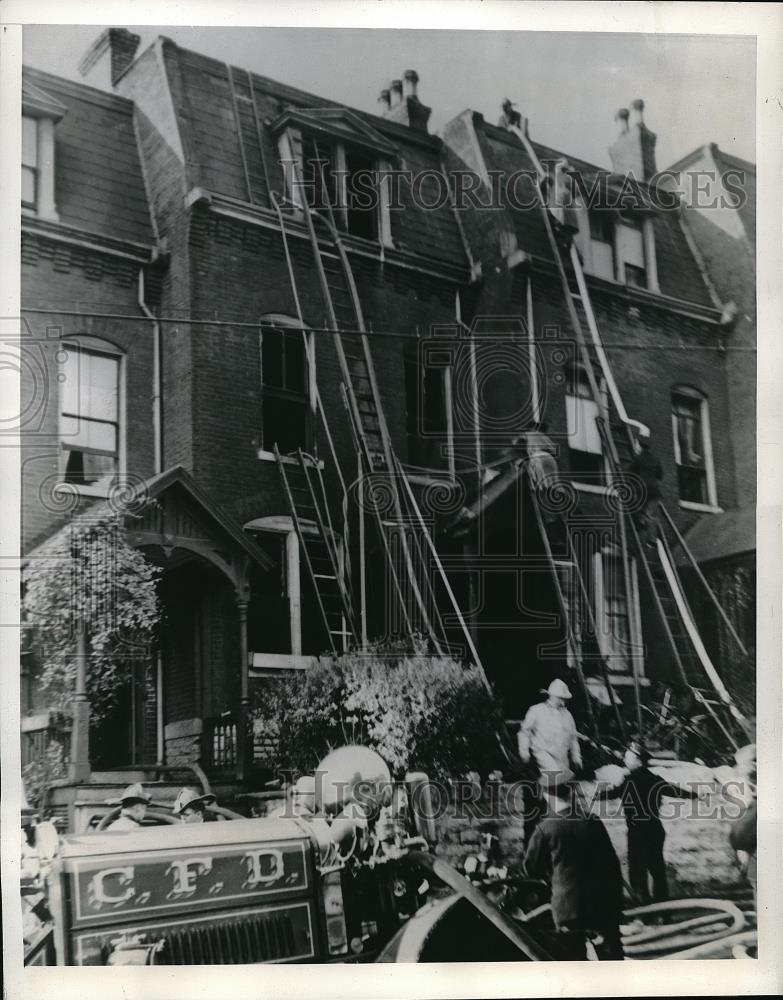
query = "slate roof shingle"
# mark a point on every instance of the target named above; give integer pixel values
(207, 121)
(678, 272)
(98, 180)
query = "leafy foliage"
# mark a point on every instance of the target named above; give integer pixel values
(89, 576)
(418, 712)
(40, 774)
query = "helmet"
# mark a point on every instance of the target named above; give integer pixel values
(188, 797)
(134, 793)
(352, 774)
(558, 689)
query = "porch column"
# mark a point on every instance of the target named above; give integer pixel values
(79, 766)
(243, 743)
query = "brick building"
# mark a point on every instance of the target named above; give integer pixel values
(162, 224)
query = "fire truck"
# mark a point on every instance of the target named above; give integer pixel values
(357, 881)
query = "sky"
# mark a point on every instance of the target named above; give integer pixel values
(696, 88)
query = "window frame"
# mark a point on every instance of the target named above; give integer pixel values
(34, 168)
(636, 225)
(101, 348)
(606, 637)
(288, 325)
(414, 364)
(689, 392)
(599, 478)
(291, 145)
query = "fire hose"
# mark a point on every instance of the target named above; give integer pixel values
(666, 939)
(711, 930)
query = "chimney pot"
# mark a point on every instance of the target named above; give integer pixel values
(410, 82)
(384, 99)
(396, 92)
(622, 119)
(637, 108)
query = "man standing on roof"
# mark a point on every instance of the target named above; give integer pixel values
(549, 733)
(640, 793)
(646, 466)
(134, 801)
(509, 116)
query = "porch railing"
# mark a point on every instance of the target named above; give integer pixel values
(220, 747)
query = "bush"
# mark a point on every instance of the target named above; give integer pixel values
(39, 775)
(418, 712)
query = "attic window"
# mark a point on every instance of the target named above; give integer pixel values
(344, 180)
(630, 248)
(29, 162)
(602, 244)
(336, 163)
(40, 113)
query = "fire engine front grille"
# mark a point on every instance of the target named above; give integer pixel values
(262, 938)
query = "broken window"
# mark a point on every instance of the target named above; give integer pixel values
(612, 614)
(427, 394)
(692, 447)
(584, 439)
(284, 400)
(89, 415)
(343, 181)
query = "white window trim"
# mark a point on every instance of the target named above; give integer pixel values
(282, 524)
(712, 505)
(45, 207)
(290, 150)
(635, 655)
(285, 322)
(95, 344)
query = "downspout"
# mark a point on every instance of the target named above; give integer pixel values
(157, 443)
(157, 422)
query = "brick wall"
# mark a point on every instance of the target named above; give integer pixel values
(58, 277)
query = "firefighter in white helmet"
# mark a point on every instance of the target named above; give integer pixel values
(190, 807)
(548, 733)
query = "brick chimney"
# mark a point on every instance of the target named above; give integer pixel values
(109, 56)
(633, 151)
(400, 102)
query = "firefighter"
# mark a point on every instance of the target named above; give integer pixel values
(134, 801)
(549, 733)
(572, 851)
(190, 807)
(641, 792)
(300, 801)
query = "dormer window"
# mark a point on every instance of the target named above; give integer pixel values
(40, 113)
(630, 252)
(334, 162)
(29, 163)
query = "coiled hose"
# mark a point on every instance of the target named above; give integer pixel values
(665, 940)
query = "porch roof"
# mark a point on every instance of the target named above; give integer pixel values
(192, 520)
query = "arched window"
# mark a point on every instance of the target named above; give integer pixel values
(91, 412)
(693, 447)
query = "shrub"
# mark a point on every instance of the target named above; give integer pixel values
(40, 774)
(418, 712)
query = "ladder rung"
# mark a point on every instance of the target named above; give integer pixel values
(325, 576)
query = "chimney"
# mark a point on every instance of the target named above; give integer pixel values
(109, 56)
(404, 105)
(396, 92)
(384, 99)
(633, 151)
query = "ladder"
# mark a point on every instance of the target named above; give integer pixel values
(306, 494)
(563, 561)
(617, 435)
(362, 398)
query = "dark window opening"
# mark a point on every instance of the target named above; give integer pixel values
(426, 416)
(347, 185)
(284, 404)
(361, 188)
(689, 439)
(269, 610)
